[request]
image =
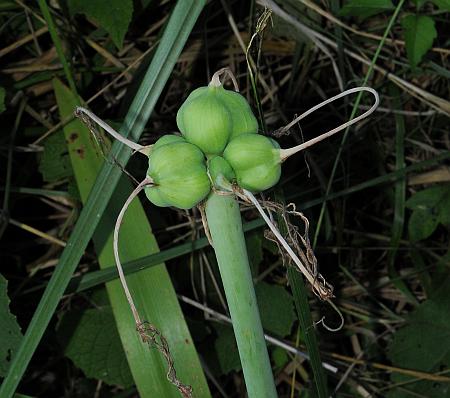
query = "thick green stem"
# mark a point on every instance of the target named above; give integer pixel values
(225, 226)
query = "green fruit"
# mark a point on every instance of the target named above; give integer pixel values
(211, 116)
(179, 173)
(217, 165)
(256, 161)
(154, 195)
(243, 120)
(204, 121)
(167, 139)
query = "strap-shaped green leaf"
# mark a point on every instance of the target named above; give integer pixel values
(152, 288)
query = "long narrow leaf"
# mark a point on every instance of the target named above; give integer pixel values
(152, 288)
(305, 319)
(175, 35)
(300, 295)
(399, 200)
(57, 43)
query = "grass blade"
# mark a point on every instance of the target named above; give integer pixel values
(4, 211)
(299, 292)
(172, 42)
(400, 199)
(306, 324)
(152, 288)
(57, 42)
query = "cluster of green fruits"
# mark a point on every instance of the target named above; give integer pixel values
(219, 137)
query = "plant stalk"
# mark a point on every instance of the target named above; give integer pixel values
(225, 226)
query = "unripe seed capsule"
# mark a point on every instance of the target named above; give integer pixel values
(243, 120)
(212, 115)
(205, 121)
(154, 195)
(256, 161)
(168, 139)
(179, 173)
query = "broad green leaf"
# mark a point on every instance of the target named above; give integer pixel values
(226, 349)
(442, 4)
(365, 8)
(112, 15)
(10, 334)
(419, 32)
(430, 207)
(443, 206)
(279, 357)
(276, 308)
(422, 224)
(423, 344)
(2, 99)
(55, 162)
(428, 197)
(93, 343)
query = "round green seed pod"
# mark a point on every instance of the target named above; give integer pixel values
(154, 195)
(217, 165)
(179, 173)
(243, 120)
(212, 115)
(256, 161)
(168, 139)
(205, 121)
